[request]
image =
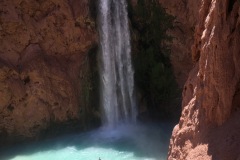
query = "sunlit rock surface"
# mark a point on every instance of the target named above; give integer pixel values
(209, 126)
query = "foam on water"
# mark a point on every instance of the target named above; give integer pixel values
(127, 142)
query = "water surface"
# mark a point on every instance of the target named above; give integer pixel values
(126, 142)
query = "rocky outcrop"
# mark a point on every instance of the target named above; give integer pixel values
(44, 49)
(186, 16)
(209, 126)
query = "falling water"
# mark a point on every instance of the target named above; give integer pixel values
(117, 86)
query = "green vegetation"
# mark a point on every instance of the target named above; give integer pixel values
(153, 72)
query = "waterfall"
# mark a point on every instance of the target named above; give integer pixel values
(116, 72)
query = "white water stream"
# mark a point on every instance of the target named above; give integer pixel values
(116, 72)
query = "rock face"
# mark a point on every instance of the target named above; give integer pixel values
(43, 61)
(186, 13)
(209, 127)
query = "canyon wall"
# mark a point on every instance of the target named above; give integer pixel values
(186, 16)
(209, 127)
(44, 65)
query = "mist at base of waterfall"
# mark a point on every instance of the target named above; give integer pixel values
(126, 142)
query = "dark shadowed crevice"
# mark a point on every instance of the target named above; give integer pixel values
(26, 80)
(236, 99)
(93, 8)
(230, 5)
(10, 107)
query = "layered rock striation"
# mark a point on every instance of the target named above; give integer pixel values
(209, 127)
(44, 49)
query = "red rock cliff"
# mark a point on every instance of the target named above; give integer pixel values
(186, 13)
(43, 56)
(209, 127)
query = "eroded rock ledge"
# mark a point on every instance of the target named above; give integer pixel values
(209, 127)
